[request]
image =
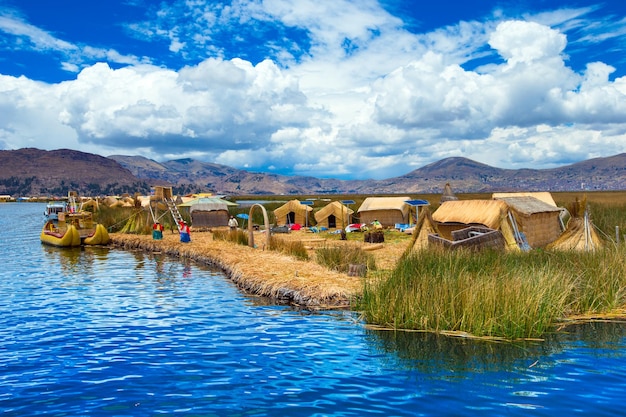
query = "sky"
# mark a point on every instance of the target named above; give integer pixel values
(347, 89)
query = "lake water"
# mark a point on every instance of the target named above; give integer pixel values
(104, 332)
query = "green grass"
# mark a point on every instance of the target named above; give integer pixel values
(509, 295)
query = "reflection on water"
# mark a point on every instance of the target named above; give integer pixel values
(429, 352)
(99, 332)
(76, 260)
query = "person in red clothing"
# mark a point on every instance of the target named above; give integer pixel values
(185, 235)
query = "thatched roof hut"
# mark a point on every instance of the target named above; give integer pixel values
(292, 212)
(537, 220)
(109, 201)
(208, 212)
(425, 226)
(448, 195)
(544, 196)
(460, 214)
(333, 215)
(580, 234)
(387, 210)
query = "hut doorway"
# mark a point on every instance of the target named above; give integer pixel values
(291, 217)
(332, 222)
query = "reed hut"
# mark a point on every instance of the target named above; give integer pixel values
(544, 196)
(448, 195)
(580, 234)
(292, 212)
(333, 215)
(537, 219)
(208, 212)
(387, 210)
(109, 201)
(425, 226)
(456, 215)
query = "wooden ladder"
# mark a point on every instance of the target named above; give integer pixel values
(174, 210)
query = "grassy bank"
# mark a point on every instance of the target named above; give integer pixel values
(510, 295)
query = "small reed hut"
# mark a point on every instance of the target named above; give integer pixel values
(208, 212)
(333, 215)
(452, 216)
(448, 195)
(538, 220)
(425, 226)
(293, 212)
(580, 234)
(387, 210)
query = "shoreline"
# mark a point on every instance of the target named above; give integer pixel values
(256, 271)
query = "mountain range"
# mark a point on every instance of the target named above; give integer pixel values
(35, 172)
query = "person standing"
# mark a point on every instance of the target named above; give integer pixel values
(233, 224)
(185, 233)
(157, 231)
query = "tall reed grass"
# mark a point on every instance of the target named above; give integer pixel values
(509, 295)
(294, 248)
(339, 258)
(239, 236)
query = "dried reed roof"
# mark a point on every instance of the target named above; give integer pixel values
(334, 208)
(580, 236)
(292, 206)
(486, 212)
(528, 205)
(207, 204)
(544, 196)
(385, 203)
(424, 227)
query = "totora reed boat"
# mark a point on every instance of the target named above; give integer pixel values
(73, 227)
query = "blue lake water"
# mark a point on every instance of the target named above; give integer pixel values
(104, 332)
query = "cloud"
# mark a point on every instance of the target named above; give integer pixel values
(343, 89)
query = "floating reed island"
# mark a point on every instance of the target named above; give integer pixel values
(259, 272)
(415, 285)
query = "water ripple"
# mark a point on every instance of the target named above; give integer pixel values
(100, 332)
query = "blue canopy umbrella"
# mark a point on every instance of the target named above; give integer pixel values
(243, 216)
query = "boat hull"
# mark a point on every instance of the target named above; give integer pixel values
(70, 238)
(99, 237)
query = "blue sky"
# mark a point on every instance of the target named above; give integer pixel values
(343, 89)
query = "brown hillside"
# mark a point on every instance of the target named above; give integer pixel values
(36, 172)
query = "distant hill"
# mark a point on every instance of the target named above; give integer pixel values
(34, 172)
(27, 172)
(465, 176)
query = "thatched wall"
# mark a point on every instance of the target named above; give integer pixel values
(292, 212)
(539, 228)
(332, 213)
(387, 210)
(212, 218)
(538, 220)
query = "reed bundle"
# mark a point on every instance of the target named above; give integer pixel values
(264, 273)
